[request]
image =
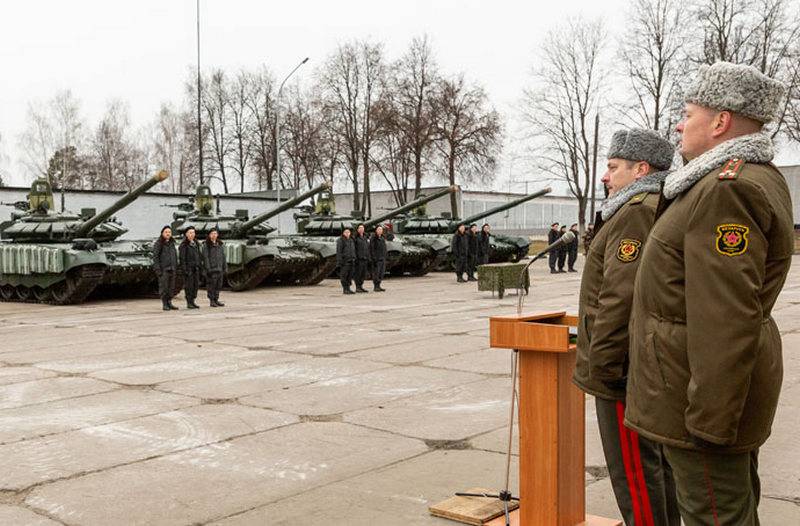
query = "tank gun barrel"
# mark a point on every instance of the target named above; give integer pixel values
(286, 205)
(408, 206)
(19, 205)
(504, 206)
(87, 226)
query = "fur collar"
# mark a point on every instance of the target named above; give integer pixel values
(752, 148)
(650, 183)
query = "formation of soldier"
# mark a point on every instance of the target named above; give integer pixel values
(358, 255)
(470, 248)
(675, 338)
(565, 253)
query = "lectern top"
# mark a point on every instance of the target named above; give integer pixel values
(546, 332)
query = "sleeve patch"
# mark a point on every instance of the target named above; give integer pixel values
(628, 250)
(731, 239)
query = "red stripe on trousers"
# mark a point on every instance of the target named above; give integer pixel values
(637, 462)
(623, 440)
(710, 489)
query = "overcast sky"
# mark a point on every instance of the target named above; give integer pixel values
(141, 51)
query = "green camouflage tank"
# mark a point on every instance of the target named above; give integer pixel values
(412, 256)
(62, 257)
(254, 257)
(419, 226)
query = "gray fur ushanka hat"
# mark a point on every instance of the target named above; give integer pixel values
(737, 88)
(637, 144)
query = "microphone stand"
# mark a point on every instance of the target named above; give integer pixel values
(505, 495)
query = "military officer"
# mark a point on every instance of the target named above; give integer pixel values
(215, 266)
(640, 477)
(361, 243)
(459, 247)
(165, 264)
(345, 258)
(552, 237)
(705, 357)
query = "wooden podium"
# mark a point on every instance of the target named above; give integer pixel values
(551, 420)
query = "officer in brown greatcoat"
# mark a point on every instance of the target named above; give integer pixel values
(705, 356)
(641, 478)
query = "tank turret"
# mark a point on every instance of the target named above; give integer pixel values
(247, 226)
(408, 206)
(86, 228)
(41, 223)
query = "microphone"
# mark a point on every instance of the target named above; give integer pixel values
(566, 239)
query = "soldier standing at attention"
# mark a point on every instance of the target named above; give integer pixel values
(345, 258)
(641, 478)
(377, 255)
(572, 248)
(459, 248)
(552, 257)
(165, 263)
(484, 245)
(705, 357)
(190, 265)
(472, 252)
(362, 258)
(562, 250)
(215, 266)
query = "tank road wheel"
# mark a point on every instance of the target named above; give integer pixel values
(23, 293)
(7, 292)
(77, 285)
(322, 271)
(250, 276)
(42, 295)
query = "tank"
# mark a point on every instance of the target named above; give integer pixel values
(254, 257)
(62, 257)
(419, 226)
(404, 256)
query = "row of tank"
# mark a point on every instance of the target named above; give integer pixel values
(54, 257)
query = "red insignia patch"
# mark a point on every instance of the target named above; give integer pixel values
(628, 250)
(732, 239)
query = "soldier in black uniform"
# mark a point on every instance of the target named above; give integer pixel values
(215, 266)
(552, 237)
(459, 248)
(472, 252)
(362, 258)
(165, 263)
(377, 255)
(562, 250)
(345, 257)
(190, 266)
(572, 248)
(484, 245)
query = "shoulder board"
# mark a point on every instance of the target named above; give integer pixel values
(637, 199)
(731, 169)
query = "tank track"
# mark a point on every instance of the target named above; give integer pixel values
(251, 275)
(323, 270)
(79, 284)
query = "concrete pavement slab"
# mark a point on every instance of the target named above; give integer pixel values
(49, 389)
(30, 462)
(348, 393)
(216, 481)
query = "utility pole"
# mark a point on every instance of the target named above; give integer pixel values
(594, 163)
(199, 121)
(278, 128)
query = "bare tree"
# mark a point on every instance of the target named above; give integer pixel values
(260, 101)
(413, 82)
(761, 33)
(468, 132)
(217, 105)
(561, 108)
(110, 147)
(56, 125)
(652, 57)
(170, 146)
(241, 124)
(393, 157)
(340, 84)
(304, 132)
